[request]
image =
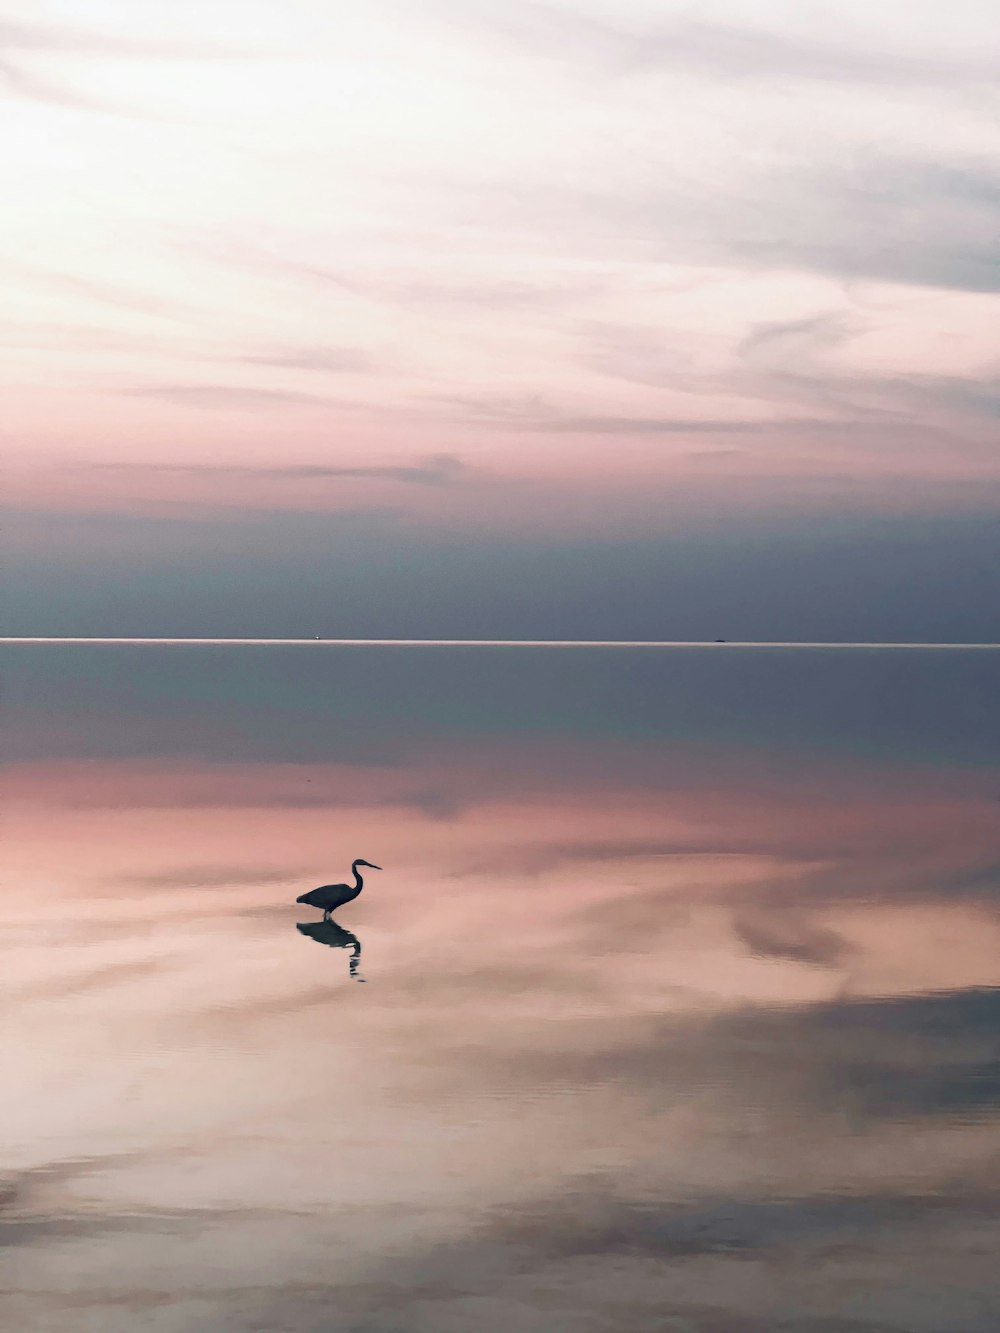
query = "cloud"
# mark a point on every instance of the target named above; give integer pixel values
(416, 283)
(213, 876)
(97, 979)
(786, 934)
(20, 41)
(919, 1056)
(828, 219)
(596, 1255)
(743, 53)
(982, 879)
(23, 83)
(922, 877)
(731, 52)
(225, 396)
(923, 1058)
(98, 289)
(433, 470)
(540, 858)
(26, 1218)
(35, 37)
(787, 359)
(774, 340)
(588, 1251)
(263, 1008)
(541, 28)
(816, 215)
(333, 360)
(714, 455)
(598, 425)
(532, 412)
(735, 1224)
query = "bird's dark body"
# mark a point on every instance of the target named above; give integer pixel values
(328, 897)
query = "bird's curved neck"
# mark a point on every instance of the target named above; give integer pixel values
(358, 881)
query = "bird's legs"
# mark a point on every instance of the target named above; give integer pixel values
(326, 914)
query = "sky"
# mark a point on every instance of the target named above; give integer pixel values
(595, 318)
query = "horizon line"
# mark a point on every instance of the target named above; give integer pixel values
(191, 641)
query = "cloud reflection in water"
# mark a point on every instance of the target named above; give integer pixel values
(716, 1046)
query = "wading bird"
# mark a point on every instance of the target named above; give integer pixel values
(331, 896)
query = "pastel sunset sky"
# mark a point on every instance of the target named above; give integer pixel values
(576, 318)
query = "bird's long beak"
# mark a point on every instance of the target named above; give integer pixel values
(372, 866)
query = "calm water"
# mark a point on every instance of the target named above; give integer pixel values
(674, 1007)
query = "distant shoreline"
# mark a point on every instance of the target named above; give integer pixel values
(480, 643)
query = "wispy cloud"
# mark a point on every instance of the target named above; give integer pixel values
(843, 223)
(433, 470)
(745, 53)
(38, 37)
(24, 83)
(419, 282)
(534, 413)
(786, 934)
(23, 45)
(98, 290)
(325, 360)
(212, 876)
(776, 340)
(793, 357)
(624, 44)
(810, 216)
(236, 397)
(679, 426)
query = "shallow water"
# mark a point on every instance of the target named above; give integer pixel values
(674, 1006)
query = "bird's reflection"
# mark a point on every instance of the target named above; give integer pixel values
(334, 937)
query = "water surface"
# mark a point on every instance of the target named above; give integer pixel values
(675, 1006)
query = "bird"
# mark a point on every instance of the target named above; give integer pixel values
(331, 896)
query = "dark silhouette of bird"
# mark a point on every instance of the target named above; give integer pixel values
(334, 937)
(331, 896)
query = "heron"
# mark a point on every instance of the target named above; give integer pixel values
(331, 896)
